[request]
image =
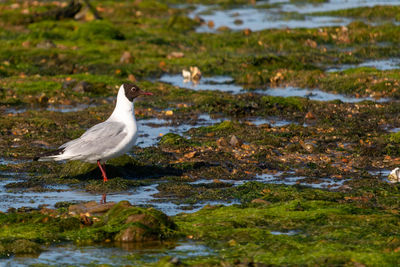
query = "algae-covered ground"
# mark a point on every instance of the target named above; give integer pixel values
(278, 156)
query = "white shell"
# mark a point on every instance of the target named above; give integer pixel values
(394, 176)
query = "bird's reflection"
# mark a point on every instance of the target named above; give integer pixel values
(103, 199)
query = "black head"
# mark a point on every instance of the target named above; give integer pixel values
(132, 91)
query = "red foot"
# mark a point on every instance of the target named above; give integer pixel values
(103, 170)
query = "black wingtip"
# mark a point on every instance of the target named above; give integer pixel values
(49, 153)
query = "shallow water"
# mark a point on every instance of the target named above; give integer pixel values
(383, 64)
(151, 130)
(258, 19)
(215, 83)
(325, 183)
(302, 7)
(142, 196)
(69, 254)
(315, 94)
(291, 232)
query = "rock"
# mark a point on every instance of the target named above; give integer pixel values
(310, 116)
(68, 84)
(142, 224)
(83, 87)
(126, 58)
(235, 142)
(221, 142)
(394, 176)
(238, 21)
(43, 99)
(24, 247)
(91, 207)
(132, 78)
(134, 234)
(210, 24)
(247, 31)
(46, 44)
(195, 73)
(223, 28)
(175, 55)
(260, 201)
(308, 146)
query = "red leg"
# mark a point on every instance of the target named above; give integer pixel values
(103, 171)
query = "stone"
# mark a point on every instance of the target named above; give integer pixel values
(235, 142)
(24, 247)
(126, 58)
(175, 55)
(91, 207)
(260, 201)
(83, 87)
(46, 44)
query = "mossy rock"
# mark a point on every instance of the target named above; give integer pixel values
(24, 247)
(175, 140)
(98, 30)
(127, 223)
(225, 128)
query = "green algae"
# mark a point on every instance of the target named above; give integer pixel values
(175, 140)
(324, 222)
(23, 233)
(326, 231)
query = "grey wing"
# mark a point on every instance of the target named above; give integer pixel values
(99, 139)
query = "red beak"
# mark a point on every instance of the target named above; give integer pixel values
(146, 93)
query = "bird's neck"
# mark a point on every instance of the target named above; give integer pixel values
(124, 109)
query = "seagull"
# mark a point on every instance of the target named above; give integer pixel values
(109, 139)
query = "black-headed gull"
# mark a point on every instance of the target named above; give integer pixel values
(109, 139)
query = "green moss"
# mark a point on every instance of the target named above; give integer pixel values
(154, 225)
(98, 30)
(24, 247)
(243, 231)
(175, 140)
(37, 227)
(225, 127)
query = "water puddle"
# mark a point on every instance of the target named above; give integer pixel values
(324, 183)
(382, 174)
(273, 122)
(69, 108)
(394, 130)
(151, 130)
(331, 5)
(258, 19)
(315, 95)
(142, 196)
(283, 14)
(383, 64)
(215, 83)
(137, 254)
(4, 161)
(291, 232)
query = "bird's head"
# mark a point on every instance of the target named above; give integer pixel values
(132, 91)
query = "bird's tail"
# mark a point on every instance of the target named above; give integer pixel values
(50, 155)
